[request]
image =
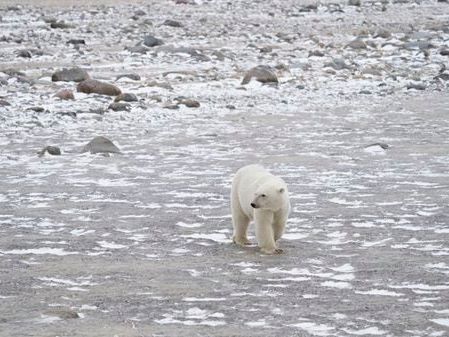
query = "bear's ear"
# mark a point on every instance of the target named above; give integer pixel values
(282, 190)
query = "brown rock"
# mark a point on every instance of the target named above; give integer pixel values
(65, 94)
(98, 87)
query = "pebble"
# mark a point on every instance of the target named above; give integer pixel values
(100, 144)
(65, 94)
(119, 106)
(190, 103)
(76, 41)
(354, 3)
(53, 150)
(127, 97)
(97, 87)
(63, 313)
(70, 75)
(261, 73)
(357, 44)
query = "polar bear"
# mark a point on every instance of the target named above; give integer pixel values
(258, 195)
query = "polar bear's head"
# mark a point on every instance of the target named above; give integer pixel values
(270, 197)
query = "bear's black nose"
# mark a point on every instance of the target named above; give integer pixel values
(253, 205)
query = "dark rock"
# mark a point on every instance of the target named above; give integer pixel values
(442, 77)
(365, 92)
(127, 97)
(172, 23)
(76, 41)
(119, 106)
(24, 53)
(60, 25)
(13, 72)
(416, 86)
(72, 114)
(140, 12)
(65, 94)
(100, 144)
(262, 73)
(53, 150)
(151, 41)
(134, 77)
(98, 87)
(4, 103)
(300, 87)
(70, 75)
(230, 106)
(444, 52)
(36, 109)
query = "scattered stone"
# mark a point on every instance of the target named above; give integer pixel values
(358, 43)
(63, 313)
(72, 114)
(365, 92)
(261, 73)
(164, 85)
(119, 106)
(300, 87)
(416, 86)
(53, 150)
(134, 77)
(24, 53)
(76, 41)
(127, 97)
(4, 103)
(60, 25)
(151, 41)
(230, 106)
(444, 52)
(190, 103)
(172, 23)
(70, 75)
(100, 144)
(97, 87)
(65, 94)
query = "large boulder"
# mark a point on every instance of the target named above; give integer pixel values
(100, 144)
(98, 87)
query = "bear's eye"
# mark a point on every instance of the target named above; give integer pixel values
(263, 195)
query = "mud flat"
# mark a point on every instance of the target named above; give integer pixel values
(136, 241)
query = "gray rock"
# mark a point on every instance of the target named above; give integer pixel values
(134, 77)
(60, 25)
(139, 49)
(76, 41)
(4, 103)
(261, 73)
(338, 64)
(416, 86)
(382, 33)
(63, 313)
(70, 75)
(65, 94)
(127, 97)
(444, 52)
(100, 144)
(98, 87)
(357, 44)
(316, 53)
(52, 150)
(151, 41)
(354, 3)
(119, 106)
(172, 23)
(190, 103)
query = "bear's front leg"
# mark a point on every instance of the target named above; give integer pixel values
(264, 231)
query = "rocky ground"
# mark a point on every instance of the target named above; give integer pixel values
(349, 105)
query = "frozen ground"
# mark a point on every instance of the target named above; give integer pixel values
(138, 244)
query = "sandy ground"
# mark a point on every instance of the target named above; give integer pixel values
(138, 243)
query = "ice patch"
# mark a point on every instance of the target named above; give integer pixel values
(187, 225)
(217, 237)
(379, 292)
(374, 330)
(205, 299)
(294, 236)
(339, 285)
(110, 245)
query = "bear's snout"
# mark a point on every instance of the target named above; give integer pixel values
(253, 205)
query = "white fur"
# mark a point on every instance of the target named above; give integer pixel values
(253, 184)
